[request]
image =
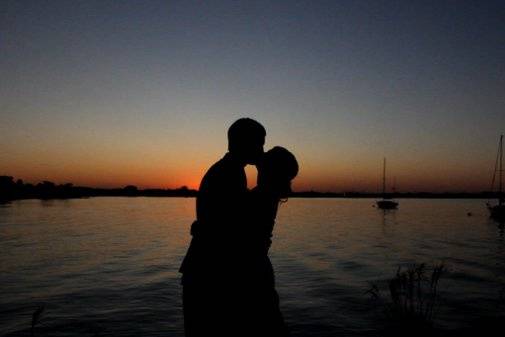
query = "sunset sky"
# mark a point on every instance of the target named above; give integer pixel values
(110, 93)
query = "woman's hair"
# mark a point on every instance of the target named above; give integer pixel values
(278, 168)
(281, 163)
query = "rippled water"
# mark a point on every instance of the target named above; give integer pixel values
(108, 266)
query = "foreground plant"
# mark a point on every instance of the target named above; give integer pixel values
(412, 298)
(36, 319)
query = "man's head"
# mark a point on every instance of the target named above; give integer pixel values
(246, 138)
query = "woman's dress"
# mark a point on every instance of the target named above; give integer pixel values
(262, 303)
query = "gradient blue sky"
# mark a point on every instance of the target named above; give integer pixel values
(107, 93)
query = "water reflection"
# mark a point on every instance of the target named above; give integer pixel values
(111, 263)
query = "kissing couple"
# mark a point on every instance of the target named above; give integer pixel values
(227, 277)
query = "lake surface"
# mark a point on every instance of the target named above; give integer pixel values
(108, 266)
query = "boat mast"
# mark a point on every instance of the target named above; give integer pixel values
(384, 179)
(500, 197)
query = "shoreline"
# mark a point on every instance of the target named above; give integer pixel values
(298, 195)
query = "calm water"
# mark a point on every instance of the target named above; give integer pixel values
(108, 266)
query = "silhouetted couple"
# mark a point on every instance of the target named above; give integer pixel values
(228, 279)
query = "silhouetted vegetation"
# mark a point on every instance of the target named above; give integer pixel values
(409, 307)
(411, 300)
(36, 319)
(11, 190)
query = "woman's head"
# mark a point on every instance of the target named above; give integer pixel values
(278, 167)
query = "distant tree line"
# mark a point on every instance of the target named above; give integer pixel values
(403, 195)
(11, 189)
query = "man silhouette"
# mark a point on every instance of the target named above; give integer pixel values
(210, 290)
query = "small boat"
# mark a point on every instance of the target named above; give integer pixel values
(387, 201)
(498, 211)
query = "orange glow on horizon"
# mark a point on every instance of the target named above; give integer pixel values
(184, 164)
(327, 180)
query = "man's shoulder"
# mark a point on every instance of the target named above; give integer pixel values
(217, 169)
(222, 173)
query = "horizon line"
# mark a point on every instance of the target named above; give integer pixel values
(186, 188)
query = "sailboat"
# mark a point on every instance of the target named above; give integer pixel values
(498, 211)
(386, 202)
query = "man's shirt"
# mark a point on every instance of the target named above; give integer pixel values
(220, 205)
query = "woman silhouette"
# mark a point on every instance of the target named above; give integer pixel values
(276, 170)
